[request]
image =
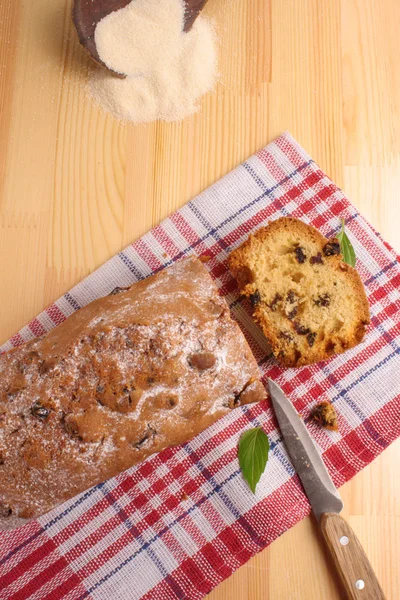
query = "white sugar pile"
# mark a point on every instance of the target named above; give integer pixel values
(167, 70)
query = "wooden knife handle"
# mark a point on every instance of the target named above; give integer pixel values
(352, 564)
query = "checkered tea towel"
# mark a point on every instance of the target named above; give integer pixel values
(184, 520)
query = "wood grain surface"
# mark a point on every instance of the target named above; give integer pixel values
(76, 187)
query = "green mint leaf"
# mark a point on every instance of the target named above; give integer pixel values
(346, 248)
(253, 455)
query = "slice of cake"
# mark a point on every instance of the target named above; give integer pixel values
(309, 303)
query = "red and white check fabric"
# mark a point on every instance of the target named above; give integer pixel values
(184, 520)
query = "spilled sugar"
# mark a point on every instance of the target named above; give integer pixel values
(167, 70)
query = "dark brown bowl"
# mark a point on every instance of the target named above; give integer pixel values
(87, 13)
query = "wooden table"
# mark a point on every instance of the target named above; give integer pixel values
(76, 187)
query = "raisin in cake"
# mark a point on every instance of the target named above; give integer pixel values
(309, 303)
(126, 376)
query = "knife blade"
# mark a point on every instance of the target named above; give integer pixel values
(320, 490)
(351, 563)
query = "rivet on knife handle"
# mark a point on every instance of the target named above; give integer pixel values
(352, 564)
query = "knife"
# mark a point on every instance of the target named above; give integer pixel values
(351, 562)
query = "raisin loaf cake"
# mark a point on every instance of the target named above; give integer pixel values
(309, 303)
(122, 378)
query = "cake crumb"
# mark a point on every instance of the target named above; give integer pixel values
(325, 415)
(184, 497)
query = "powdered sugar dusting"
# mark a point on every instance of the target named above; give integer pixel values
(124, 377)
